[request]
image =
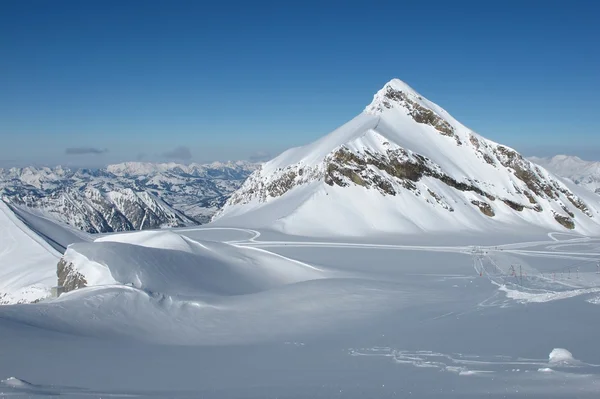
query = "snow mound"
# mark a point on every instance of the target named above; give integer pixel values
(14, 382)
(151, 239)
(562, 357)
(167, 263)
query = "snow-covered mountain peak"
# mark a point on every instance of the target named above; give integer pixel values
(134, 168)
(422, 168)
(561, 157)
(398, 94)
(394, 85)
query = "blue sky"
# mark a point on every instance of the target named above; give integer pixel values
(94, 82)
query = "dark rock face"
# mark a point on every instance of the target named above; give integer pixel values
(536, 182)
(526, 172)
(516, 206)
(483, 149)
(530, 197)
(484, 207)
(282, 185)
(419, 113)
(344, 167)
(68, 277)
(396, 168)
(567, 222)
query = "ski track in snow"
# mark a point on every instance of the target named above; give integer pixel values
(486, 260)
(469, 365)
(512, 292)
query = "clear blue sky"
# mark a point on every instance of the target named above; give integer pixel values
(127, 80)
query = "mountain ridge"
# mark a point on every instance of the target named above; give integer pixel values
(127, 196)
(583, 173)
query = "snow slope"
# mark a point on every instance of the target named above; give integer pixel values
(582, 173)
(27, 262)
(178, 318)
(170, 264)
(405, 165)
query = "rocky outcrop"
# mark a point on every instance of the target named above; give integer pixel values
(398, 169)
(484, 207)
(419, 113)
(68, 276)
(565, 221)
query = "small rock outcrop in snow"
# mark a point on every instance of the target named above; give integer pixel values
(68, 277)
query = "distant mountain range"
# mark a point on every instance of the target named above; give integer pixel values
(405, 165)
(126, 196)
(583, 173)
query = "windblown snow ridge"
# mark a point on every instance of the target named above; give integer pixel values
(169, 264)
(27, 261)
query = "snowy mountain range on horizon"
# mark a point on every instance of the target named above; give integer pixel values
(404, 165)
(126, 196)
(146, 195)
(582, 173)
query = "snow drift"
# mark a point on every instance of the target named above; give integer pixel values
(169, 264)
(404, 165)
(161, 287)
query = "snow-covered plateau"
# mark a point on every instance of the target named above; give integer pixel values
(401, 256)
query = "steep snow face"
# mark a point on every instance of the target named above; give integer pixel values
(128, 196)
(582, 173)
(405, 165)
(27, 262)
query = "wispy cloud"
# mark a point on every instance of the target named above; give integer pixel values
(180, 152)
(259, 156)
(85, 150)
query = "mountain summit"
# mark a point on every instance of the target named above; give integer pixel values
(404, 165)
